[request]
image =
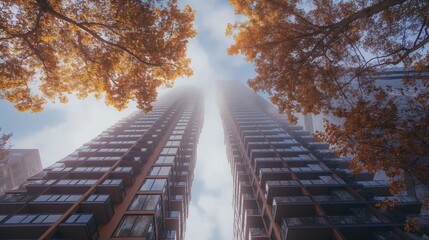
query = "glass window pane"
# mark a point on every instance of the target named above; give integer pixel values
(147, 185)
(154, 171)
(73, 198)
(53, 198)
(151, 202)
(51, 218)
(169, 159)
(16, 219)
(138, 202)
(72, 218)
(84, 218)
(42, 198)
(164, 171)
(160, 159)
(125, 226)
(102, 198)
(141, 225)
(63, 198)
(40, 219)
(159, 184)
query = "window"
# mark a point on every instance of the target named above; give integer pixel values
(160, 171)
(91, 169)
(60, 169)
(18, 197)
(97, 198)
(57, 198)
(145, 202)
(176, 137)
(173, 214)
(172, 144)
(33, 218)
(79, 218)
(123, 169)
(71, 182)
(167, 150)
(112, 182)
(151, 184)
(136, 226)
(165, 159)
(178, 132)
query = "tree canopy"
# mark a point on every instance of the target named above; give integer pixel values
(322, 56)
(120, 50)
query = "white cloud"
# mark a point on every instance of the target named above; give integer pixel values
(84, 121)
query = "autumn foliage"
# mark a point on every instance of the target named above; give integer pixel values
(120, 50)
(323, 57)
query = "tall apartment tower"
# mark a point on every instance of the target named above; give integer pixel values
(288, 186)
(132, 181)
(19, 165)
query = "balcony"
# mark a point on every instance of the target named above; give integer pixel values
(262, 153)
(140, 151)
(177, 204)
(134, 162)
(79, 226)
(100, 206)
(88, 172)
(52, 203)
(58, 172)
(173, 222)
(124, 173)
(315, 227)
(92, 162)
(267, 162)
(26, 226)
(271, 174)
(333, 196)
(376, 187)
(35, 187)
(170, 235)
(322, 181)
(293, 206)
(181, 188)
(253, 219)
(113, 187)
(258, 234)
(72, 186)
(281, 188)
(10, 203)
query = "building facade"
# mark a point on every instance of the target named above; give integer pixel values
(288, 186)
(131, 181)
(19, 165)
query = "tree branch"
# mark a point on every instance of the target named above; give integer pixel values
(45, 6)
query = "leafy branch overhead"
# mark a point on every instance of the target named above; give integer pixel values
(122, 50)
(325, 56)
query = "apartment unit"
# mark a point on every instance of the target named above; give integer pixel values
(288, 186)
(132, 181)
(19, 165)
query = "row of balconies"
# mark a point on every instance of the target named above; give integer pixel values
(26, 226)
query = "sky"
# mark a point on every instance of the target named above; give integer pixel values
(62, 128)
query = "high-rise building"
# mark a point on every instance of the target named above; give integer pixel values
(288, 186)
(131, 181)
(17, 166)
